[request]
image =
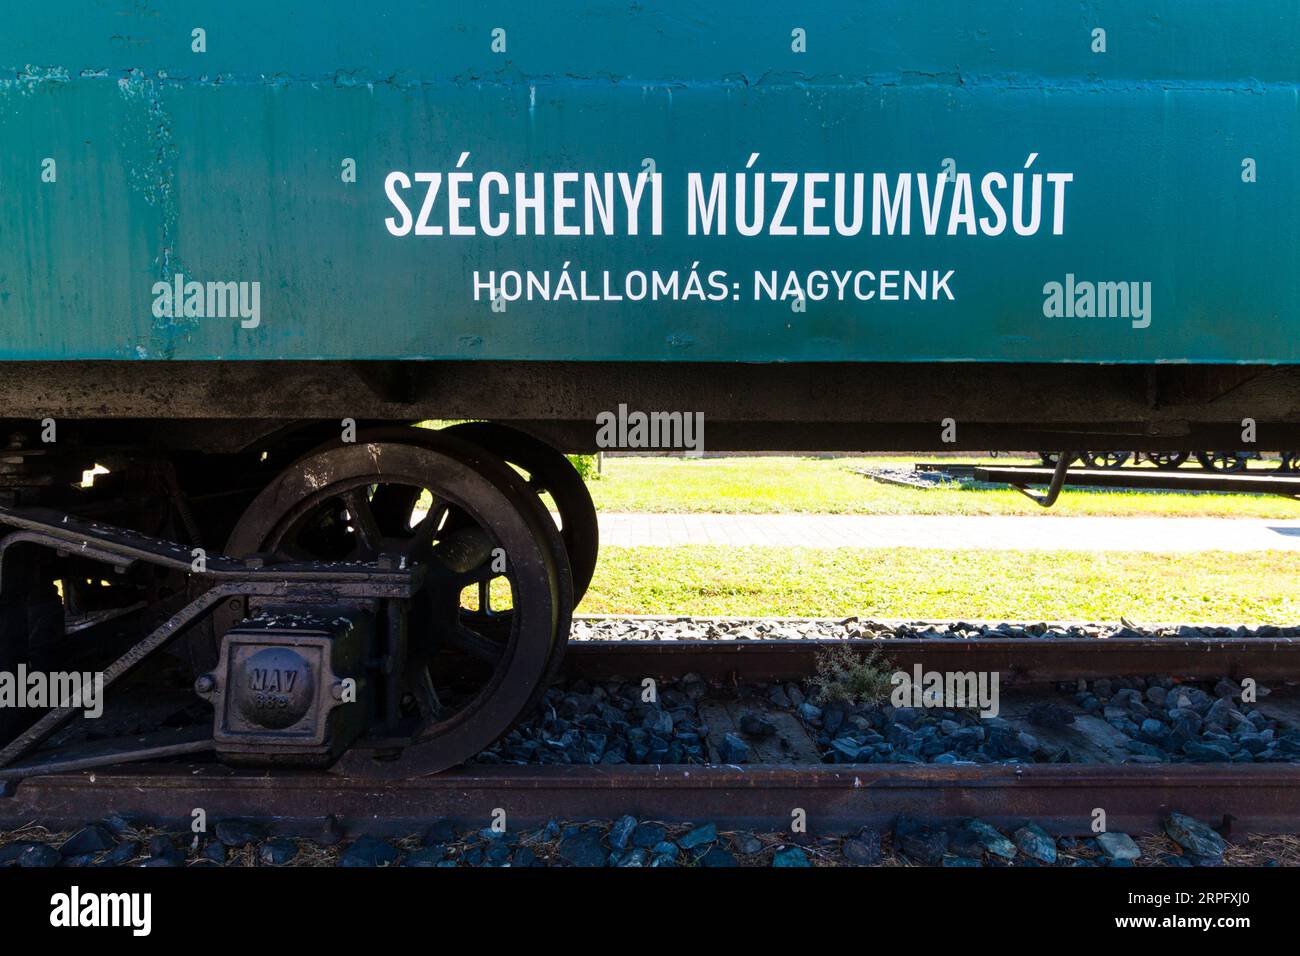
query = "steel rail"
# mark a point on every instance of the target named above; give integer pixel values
(1027, 659)
(1257, 798)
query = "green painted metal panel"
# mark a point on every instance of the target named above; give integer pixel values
(227, 166)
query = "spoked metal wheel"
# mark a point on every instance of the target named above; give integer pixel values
(471, 670)
(1050, 459)
(1106, 459)
(549, 472)
(1167, 460)
(1223, 460)
(476, 454)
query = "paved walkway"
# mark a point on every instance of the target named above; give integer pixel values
(1002, 532)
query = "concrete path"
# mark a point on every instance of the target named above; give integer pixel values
(1001, 532)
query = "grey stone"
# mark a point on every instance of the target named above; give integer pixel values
(756, 726)
(991, 839)
(648, 835)
(621, 832)
(717, 857)
(91, 839)
(1206, 753)
(845, 750)
(1153, 729)
(277, 852)
(791, 856)
(777, 695)
(584, 848)
(733, 750)
(706, 833)
(636, 856)
(1194, 836)
(832, 720)
(119, 825)
(923, 844)
(161, 847)
(862, 850)
(125, 852)
(1036, 843)
(666, 849)
(1118, 846)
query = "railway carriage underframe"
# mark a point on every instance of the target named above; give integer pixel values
(390, 600)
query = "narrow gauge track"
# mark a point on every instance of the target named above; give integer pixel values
(1257, 798)
(1061, 798)
(1037, 659)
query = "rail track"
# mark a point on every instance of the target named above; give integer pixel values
(773, 781)
(1061, 798)
(1041, 659)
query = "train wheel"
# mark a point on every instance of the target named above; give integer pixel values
(1106, 459)
(548, 472)
(1167, 460)
(397, 503)
(472, 674)
(1049, 458)
(1229, 461)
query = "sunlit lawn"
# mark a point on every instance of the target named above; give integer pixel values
(1214, 587)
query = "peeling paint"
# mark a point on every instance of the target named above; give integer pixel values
(155, 180)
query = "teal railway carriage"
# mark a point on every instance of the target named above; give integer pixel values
(244, 246)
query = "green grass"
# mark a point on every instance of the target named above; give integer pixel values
(1209, 587)
(769, 485)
